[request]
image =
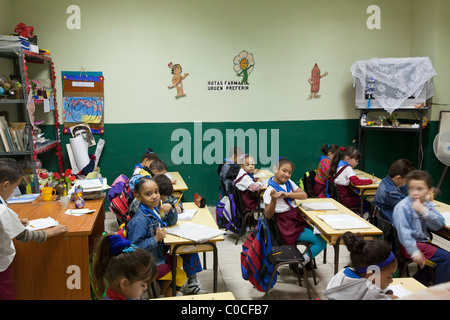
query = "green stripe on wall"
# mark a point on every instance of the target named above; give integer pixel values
(299, 141)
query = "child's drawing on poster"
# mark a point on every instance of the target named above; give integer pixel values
(177, 80)
(244, 64)
(83, 109)
(314, 81)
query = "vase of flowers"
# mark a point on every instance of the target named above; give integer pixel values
(64, 181)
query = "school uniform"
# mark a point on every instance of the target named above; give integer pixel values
(321, 178)
(248, 187)
(412, 229)
(141, 232)
(343, 177)
(347, 285)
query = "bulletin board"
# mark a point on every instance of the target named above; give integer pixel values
(83, 100)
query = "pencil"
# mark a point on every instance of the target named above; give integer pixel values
(179, 200)
(274, 254)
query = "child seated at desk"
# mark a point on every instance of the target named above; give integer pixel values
(392, 188)
(412, 218)
(370, 272)
(146, 230)
(279, 199)
(247, 185)
(121, 269)
(341, 172)
(11, 227)
(147, 158)
(229, 170)
(191, 261)
(321, 178)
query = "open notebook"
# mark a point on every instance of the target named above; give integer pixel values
(343, 221)
(318, 206)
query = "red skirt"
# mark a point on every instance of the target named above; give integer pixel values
(348, 198)
(318, 188)
(428, 249)
(291, 224)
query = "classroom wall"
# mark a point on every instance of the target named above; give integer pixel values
(132, 42)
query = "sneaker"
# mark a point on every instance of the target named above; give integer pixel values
(194, 287)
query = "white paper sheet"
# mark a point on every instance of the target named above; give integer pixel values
(318, 206)
(343, 221)
(80, 151)
(43, 223)
(187, 214)
(195, 232)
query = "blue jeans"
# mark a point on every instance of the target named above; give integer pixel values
(318, 244)
(442, 259)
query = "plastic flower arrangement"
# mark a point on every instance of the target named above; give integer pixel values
(24, 31)
(67, 177)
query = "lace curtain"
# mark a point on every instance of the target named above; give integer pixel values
(396, 79)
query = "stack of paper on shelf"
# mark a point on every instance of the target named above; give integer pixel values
(12, 42)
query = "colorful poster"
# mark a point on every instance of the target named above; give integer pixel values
(83, 109)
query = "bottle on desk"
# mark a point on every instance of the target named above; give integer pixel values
(79, 200)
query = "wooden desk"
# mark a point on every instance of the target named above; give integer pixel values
(180, 185)
(41, 271)
(209, 296)
(443, 207)
(330, 235)
(409, 284)
(366, 190)
(179, 245)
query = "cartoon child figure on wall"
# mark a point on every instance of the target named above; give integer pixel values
(243, 65)
(177, 80)
(314, 80)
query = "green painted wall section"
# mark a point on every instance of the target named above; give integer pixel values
(299, 141)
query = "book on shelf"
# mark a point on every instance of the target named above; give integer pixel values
(13, 137)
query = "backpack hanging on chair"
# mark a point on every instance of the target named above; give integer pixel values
(254, 264)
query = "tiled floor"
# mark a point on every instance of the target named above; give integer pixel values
(286, 288)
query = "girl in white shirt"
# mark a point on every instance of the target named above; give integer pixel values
(246, 183)
(12, 227)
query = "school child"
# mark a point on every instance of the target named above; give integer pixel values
(121, 268)
(341, 171)
(191, 261)
(247, 184)
(412, 218)
(370, 272)
(392, 188)
(321, 178)
(11, 227)
(229, 170)
(143, 167)
(146, 230)
(279, 199)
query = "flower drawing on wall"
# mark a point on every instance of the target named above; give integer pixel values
(244, 64)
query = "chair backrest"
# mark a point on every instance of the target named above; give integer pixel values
(333, 190)
(374, 211)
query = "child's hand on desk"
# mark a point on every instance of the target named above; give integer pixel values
(179, 210)
(24, 222)
(160, 234)
(57, 230)
(166, 207)
(174, 181)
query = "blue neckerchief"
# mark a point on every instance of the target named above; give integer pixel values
(323, 157)
(139, 166)
(250, 175)
(227, 160)
(147, 210)
(350, 273)
(278, 188)
(342, 163)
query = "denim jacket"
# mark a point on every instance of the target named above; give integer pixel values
(142, 229)
(412, 226)
(388, 195)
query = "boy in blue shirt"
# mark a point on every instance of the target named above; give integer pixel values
(412, 218)
(392, 188)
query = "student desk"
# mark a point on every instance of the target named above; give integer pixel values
(445, 231)
(366, 190)
(41, 270)
(209, 296)
(409, 284)
(179, 245)
(180, 185)
(330, 235)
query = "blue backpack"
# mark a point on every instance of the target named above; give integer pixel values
(227, 213)
(254, 264)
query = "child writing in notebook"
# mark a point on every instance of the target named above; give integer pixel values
(341, 172)
(146, 230)
(120, 268)
(321, 178)
(11, 227)
(412, 218)
(143, 167)
(279, 199)
(371, 270)
(393, 188)
(191, 261)
(246, 183)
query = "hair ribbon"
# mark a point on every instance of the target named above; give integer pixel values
(380, 265)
